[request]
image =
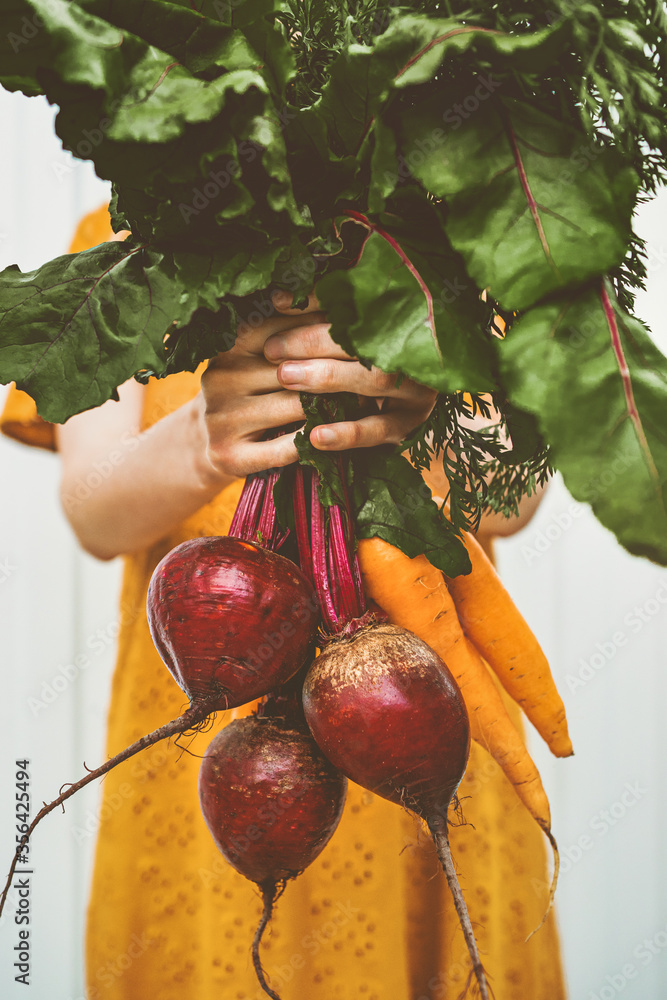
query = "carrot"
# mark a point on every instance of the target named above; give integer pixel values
(415, 596)
(496, 627)
(492, 728)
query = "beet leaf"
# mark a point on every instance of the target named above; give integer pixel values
(597, 385)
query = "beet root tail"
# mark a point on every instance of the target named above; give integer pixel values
(197, 713)
(438, 827)
(269, 895)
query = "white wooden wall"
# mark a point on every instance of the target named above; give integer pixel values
(601, 615)
(56, 604)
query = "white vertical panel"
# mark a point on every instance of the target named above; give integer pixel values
(52, 598)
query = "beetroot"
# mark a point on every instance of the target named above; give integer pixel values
(230, 619)
(272, 802)
(385, 709)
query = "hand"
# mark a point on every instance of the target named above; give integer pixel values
(251, 389)
(310, 361)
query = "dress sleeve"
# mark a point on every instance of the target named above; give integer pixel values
(19, 419)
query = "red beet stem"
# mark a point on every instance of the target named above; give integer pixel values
(335, 567)
(195, 715)
(269, 896)
(244, 515)
(351, 606)
(267, 516)
(255, 516)
(437, 824)
(344, 514)
(320, 569)
(301, 521)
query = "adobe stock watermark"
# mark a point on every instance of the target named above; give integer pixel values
(93, 819)
(546, 536)
(143, 768)
(552, 532)
(656, 258)
(598, 827)
(7, 570)
(578, 162)
(115, 968)
(340, 914)
(210, 187)
(605, 651)
(28, 28)
(473, 782)
(217, 181)
(101, 471)
(644, 953)
(454, 117)
(449, 981)
(68, 673)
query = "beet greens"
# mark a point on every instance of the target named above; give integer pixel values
(401, 159)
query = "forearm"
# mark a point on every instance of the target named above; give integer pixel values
(491, 525)
(123, 490)
(134, 490)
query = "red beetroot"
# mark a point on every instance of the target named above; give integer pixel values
(271, 801)
(384, 708)
(231, 620)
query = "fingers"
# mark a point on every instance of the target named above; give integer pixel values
(330, 375)
(256, 456)
(380, 428)
(282, 301)
(235, 432)
(309, 341)
(253, 332)
(272, 316)
(335, 376)
(248, 417)
(239, 374)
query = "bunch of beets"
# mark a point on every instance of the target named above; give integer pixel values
(234, 621)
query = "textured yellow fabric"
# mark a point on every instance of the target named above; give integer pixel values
(21, 422)
(371, 918)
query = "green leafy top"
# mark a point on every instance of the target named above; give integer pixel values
(442, 172)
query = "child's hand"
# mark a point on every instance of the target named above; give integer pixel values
(254, 387)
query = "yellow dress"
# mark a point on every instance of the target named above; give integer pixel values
(371, 919)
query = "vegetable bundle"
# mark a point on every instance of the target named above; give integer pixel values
(391, 708)
(456, 181)
(439, 171)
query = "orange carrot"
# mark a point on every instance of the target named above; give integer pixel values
(492, 727)
(496, 627)
(415, 596)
